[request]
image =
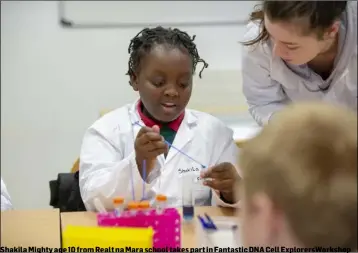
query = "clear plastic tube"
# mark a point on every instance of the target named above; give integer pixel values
(133, 207)
(187, 197)
(118, 206)
(161, 203)
(144, 206)
(188, 211)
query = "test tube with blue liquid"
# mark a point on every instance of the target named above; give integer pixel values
(187, 197)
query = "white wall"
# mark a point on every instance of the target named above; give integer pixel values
(55, 81)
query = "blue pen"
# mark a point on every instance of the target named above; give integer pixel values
(173, 147)
(207, 223)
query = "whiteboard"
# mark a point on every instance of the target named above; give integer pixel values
(157, 12)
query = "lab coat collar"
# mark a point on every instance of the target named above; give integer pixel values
(174, 125)
(189, 118)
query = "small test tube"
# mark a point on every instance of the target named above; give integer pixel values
(188, 185)
(144, 206)
(133, 207)
(161, 203)
(188, 212)
(118, 205)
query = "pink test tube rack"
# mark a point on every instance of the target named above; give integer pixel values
(166, 226)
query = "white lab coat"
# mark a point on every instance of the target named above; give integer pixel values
(107, 159)
(5, 198)
(269, 84)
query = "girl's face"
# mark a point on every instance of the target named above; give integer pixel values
(295, 48)
(164, 82)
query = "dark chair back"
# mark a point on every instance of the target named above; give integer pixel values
(65, 193)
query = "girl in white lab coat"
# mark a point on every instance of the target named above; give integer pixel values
(161, 66)
(5, 198)
(297, 51)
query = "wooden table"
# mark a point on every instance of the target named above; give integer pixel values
(34, 228)
(188, 230)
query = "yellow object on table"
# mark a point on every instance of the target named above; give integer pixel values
(104, 237)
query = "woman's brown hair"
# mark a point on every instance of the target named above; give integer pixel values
(318, 15)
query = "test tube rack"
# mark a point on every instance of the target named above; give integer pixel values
(166, 225)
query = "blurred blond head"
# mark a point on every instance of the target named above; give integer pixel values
(300, 179)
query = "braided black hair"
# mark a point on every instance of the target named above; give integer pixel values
(144, 41)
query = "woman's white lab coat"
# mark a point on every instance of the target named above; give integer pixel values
(269, 84)
(107, 160)
(5, 198)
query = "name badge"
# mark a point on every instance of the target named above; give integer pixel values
(192, 169)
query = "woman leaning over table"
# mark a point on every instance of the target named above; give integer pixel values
(297, 51)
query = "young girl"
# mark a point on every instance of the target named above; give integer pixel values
(132, 145)
(300, 181)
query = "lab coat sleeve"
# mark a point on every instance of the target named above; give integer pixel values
(263, 95)
(230, 153)
(5, 198)
(105, 173)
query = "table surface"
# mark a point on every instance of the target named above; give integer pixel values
(188, 229)
(30, 228)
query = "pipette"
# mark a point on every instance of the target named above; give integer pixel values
(144, 172)
(173, 147)
(132, 185)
